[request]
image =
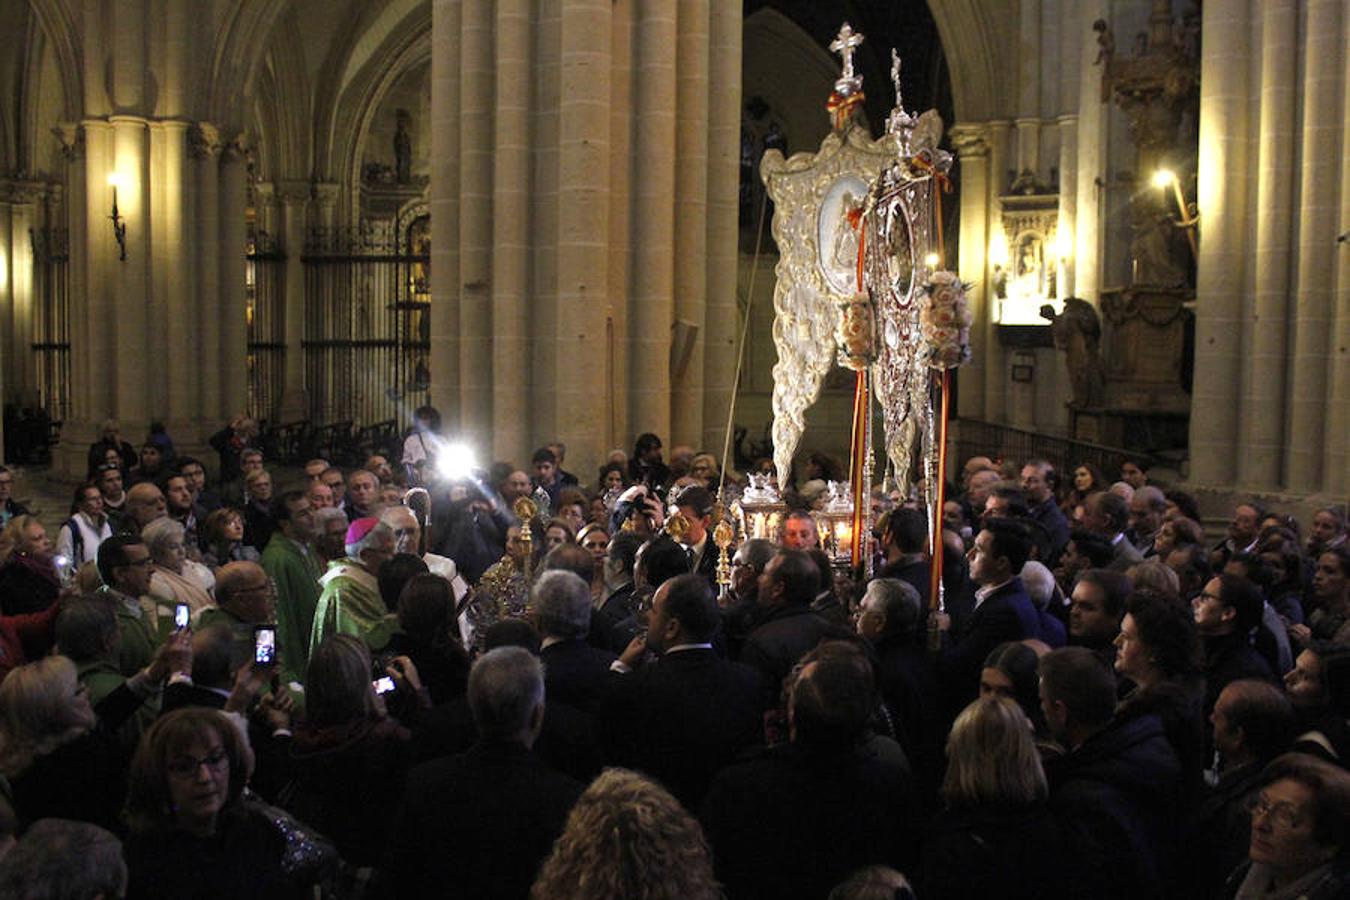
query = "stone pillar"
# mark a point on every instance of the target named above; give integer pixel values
(475, 221)
(1320, 177)
(100, 254)
(653, 232)
(972, 150)
(511, 412)
(444, 205)
(130, 282)
(69, 456)
(1028, 91)
(233, 301)
(1336, 482)
(1263, 390)
(583, 224)
(204, 149)
(998, 404)
(722, 323)
(691, 217)
(1090, 136)
(171, 282)
(294, 196)
(1224, 167)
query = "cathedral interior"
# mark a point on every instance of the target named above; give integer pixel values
(547, 219)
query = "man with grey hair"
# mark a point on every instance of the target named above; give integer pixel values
(509, 806)
(576, 671)
(1147, 508)
(892, 617)
(62, 858)
(350, 602)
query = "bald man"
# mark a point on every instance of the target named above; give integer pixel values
(145, 503)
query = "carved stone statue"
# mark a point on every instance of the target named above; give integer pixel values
(1152, 248)
(402, 148)
(1078, 332)
(1106, 51)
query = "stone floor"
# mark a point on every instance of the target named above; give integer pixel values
(46, 498)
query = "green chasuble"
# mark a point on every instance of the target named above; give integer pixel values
(349, 603)
(296, 575)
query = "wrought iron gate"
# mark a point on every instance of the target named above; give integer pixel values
(367, 323)
(265, 288)
(51, 319)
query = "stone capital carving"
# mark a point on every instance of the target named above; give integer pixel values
(293, 192)
(236, 148)
(203, 140)
(969, 141)
(326, 192)
(71, 137)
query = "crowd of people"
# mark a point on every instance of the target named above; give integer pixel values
(527, 686)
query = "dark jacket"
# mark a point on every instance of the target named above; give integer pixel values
(1116, 799)
(1177, 704)
(682, 718)
(99, 449)
(1229, 658)
(1015, 854)
(1052, 518)
(1005, 615)
(84, 779)
(575, 673)
(1220, 832)
(478, 825)
(242, 859)
(782, 636)
(914, 572)
(28, 584)
(907, 682)
(348, 781)
(794, 824)
(472, 538)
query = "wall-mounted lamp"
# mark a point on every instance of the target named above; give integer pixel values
(119, 224)
(1161, 179)
(932, 260)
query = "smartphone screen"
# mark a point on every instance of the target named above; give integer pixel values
(264, 645)
(383, 685)
(180, 616)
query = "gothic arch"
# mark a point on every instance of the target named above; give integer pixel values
(979, 41)
(63, 39)
(240, 49)
(282, 107)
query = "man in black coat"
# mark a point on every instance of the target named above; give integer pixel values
(687, 713)
(788, 628)
(799, 819)
(1003, 611)
(576, 670)
(1226, 611)
(1116, 792)
(696, 505)
(905, 540)
(480, 824)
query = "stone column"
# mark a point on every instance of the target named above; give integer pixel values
(511, 413)
(1224, 167)
(722, 326)
(691, 217)
(999, 405)
(69, 456)
(972, 150)
(294, 196)
(1028, 90)
(1320, 177)
(11, 353)
(131, 319)
(1336, 482)
(1263, 395)
(170, 188)
(653, 232)
(99, 255)
(233, 302)
(444, 205)
(583, 224)
(1091, 170)
(204, 148)
(475, 221)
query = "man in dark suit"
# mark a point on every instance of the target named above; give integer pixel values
(696, 505)
(577, 671)
(905, 540)
(798, 819)
(788, 628)
(1108, 515)
(480, 824)
(687, 713)
(1003, 611)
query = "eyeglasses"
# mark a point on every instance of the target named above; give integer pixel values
(1286, 815)
(187, 766)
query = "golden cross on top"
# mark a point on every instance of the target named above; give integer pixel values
(845, 45)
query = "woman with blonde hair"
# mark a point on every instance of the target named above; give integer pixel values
(29, 582)
(627, 838)
(173, 577)
(995, 836)
(60, 754)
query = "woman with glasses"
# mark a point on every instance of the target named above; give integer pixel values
(1300, 844)
(192, 832)
(61, 754)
